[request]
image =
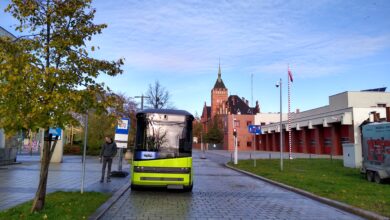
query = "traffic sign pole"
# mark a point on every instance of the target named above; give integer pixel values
(254, 150)
(235, 151)
(255, 130)
(121, 137)
(120, 160)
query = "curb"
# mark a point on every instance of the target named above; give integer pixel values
(351, 209)
(103, 208)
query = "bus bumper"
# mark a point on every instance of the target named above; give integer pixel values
(161, 180)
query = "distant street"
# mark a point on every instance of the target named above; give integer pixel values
(221, 193)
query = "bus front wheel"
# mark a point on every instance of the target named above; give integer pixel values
(189, 188)
(134, 187)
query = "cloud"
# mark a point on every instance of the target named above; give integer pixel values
(189, 36)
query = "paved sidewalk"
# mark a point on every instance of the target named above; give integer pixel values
(18, 183)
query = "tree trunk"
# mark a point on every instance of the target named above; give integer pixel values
(30, 141)
(40, 195)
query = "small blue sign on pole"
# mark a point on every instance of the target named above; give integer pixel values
(122, 132)
(121, 138)
(123, 126)
(55, 132)
(254, 129)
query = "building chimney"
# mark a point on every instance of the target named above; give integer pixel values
(297, 110)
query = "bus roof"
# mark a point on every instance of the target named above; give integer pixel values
(165, 111)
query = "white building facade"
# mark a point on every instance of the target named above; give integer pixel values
(324, 130)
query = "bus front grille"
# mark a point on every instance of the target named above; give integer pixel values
(174, 170)
(162, 179)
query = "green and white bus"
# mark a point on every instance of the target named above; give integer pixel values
(163, 150)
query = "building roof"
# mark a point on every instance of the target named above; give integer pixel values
(4, 32)
(383, 89)
(219, 83)
(238, 106)
(206, 113)
(208, 108)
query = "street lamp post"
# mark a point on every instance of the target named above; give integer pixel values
(235, 142)
(279, 84)
(201, 146)
(84, 152)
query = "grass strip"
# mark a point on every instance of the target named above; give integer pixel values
(60, 205)
(326, 178)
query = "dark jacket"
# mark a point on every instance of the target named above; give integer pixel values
(108, 150)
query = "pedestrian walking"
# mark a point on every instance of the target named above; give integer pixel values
(108, 151)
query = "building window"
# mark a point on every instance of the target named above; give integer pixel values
(381, 105)
(237, 123)
(328, 142)
(262, 123)
(249, 143)
(238, 143)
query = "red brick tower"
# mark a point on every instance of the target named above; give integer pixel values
(219, 96)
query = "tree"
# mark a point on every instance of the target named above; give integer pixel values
(126, 107)
(103, 124)
(215, 133)
(48, 75)
(158, 96)
(99, 126)
(197, 129)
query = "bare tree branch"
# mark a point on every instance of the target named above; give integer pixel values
(159, 96)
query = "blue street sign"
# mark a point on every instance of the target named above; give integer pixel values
(55, 132)
(254, 129)
(123, 126)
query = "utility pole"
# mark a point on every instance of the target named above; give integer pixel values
(252, 89)
(279, 84)
(142, 97)
(254, 136)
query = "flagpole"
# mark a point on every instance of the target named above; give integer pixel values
(289, 114)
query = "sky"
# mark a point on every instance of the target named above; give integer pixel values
(331, 46)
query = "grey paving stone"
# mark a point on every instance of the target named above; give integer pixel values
(221, 193)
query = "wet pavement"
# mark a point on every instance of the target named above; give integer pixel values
(221, 193)
(18, 183)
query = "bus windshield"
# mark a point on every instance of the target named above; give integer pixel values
(161, 136)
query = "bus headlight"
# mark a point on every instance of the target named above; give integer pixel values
(185, 170)
(138, 169)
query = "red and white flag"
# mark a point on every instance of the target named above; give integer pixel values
(290, 76)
